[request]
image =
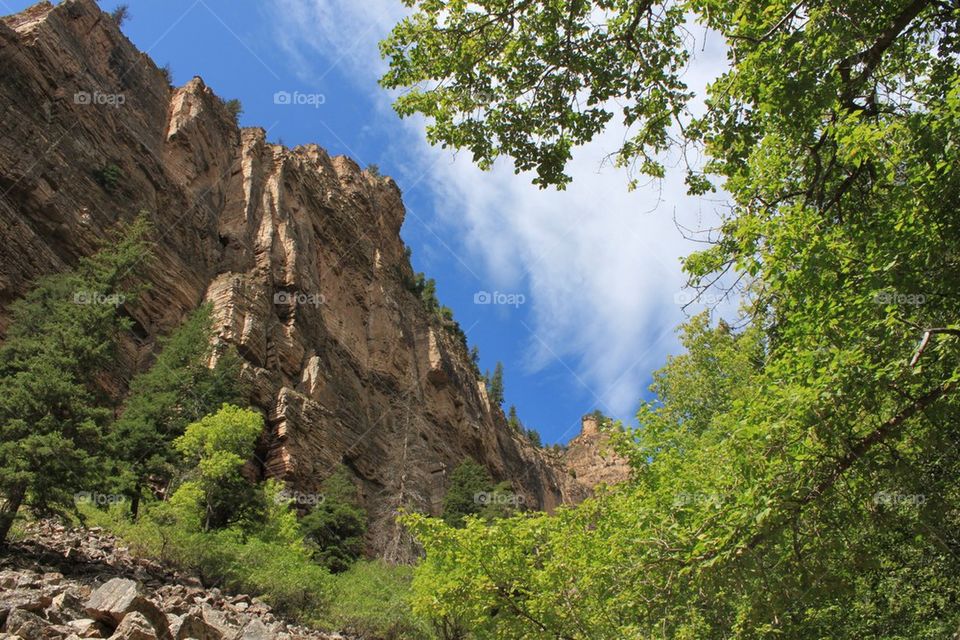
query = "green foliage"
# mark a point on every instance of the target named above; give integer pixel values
(790, 478)
(167, 72)
(336, 526)
(475, 359)
(495, 386)
(234, 108)
(467, 481)
(279, 570)
(178, 389)
(61, 337)
(109, 177)
(219, 445)
(513, 420)
(373, 170)
(531, 82)
(372, 600)
(534, 437)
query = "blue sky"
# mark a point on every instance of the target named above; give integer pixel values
(595, 269)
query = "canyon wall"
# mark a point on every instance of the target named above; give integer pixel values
(299, 253)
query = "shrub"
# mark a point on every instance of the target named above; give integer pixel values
(234, 108)
(108, 177)
(372, 599)
(335, 527)
(121, 14)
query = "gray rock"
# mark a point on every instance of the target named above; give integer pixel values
(29, 625)
(193, 626)
(256, 630)
(87, 628)
(135, 626)
(118, 598)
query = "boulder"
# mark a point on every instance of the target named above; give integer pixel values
(256, 630)
(193, 626)
(135, 626)
(87, 628)
(32, 601)
(28, 625)
(117, 599)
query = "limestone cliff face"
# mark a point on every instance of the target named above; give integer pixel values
(299, 253)
(590, 458)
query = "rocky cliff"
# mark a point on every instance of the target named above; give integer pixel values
(590, 457)
(299, 253)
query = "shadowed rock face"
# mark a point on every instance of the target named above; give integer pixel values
(299, 253)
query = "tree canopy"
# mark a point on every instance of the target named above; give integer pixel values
(790, 474)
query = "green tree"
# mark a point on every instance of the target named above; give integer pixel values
(218, 446)
(495, 386)
(62, 336)
(513, 420)
(178, 389)
(792, 471)
(234, 108)
(337, 525)
(470, 483)
(534, 437)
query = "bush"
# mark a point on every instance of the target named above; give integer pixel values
(372, 599)
(335, 527)
(121, 14)
(234, 108)
(108, 177)
(282, 573)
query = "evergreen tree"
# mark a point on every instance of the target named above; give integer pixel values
(495, 386)
(337, 525)
(62, 335)
(470, 484)
(513, 420)
(178, 389)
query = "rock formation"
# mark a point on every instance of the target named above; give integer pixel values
(299, 253)
(591, 459)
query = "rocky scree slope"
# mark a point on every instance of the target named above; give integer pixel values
(59, 583)
(298, 252)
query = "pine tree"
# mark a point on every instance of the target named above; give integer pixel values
(513, 420)
(337, 525)
(180, 388)
(470, 485)
(62, 335)
(495, 386)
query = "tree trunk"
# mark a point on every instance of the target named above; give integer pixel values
(9, 509)
(135, 502)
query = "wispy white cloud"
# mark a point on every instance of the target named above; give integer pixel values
(600, 265)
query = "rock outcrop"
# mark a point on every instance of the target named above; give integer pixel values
(298, 252)
(590, 458)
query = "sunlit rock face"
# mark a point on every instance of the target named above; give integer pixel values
(298, 252)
